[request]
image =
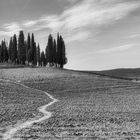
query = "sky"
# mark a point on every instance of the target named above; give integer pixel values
(99, 34)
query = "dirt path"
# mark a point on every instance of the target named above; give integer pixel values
(11, 132)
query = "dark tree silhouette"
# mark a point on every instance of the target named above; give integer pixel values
(63, 59)
(4, 52)
(55, 53)
(10, 48)
(27, 51)
(58, 50)
(43, 59)
(28, 47)
(14, 50)
(38, 55)
(35, 55)
(21, 48)
(0, 53)
(30, 58)
(49, 50)
(61, 53)
(33, 50)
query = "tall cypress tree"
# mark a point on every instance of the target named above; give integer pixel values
(49, 50)
(33, 50)
(43, 59)
(28, 47)
(5, 51)
(21, 48)
(14, 49)
(0, 54)
(10, 48)
(58, 50)
(35, 55)
(55, 53)
(46, 54)
(38, 55)
(61, 54)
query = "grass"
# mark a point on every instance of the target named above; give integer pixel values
(89, 107)
(122, 73)
(18, 104)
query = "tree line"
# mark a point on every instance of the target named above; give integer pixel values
(27, 52)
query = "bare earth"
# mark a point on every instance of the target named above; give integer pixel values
(89, 106)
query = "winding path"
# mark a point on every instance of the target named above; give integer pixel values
(11, 132)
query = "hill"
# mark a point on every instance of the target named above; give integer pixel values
(89, 106)
(122, 73)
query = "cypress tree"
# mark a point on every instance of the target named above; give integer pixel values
(46, 54)
(64, 59)
(28, 46)
(55, 53)
(33, 50)
(35, 55)
(14, 49)
(30, 58)
(61, 54)
(49, 50)
(0, 54)
(5, 51)
(21, 48)
(43, 59)
(6, 54)
(58, 50)
(10, 48)
(38, 55)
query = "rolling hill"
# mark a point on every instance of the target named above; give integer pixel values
(89, 106)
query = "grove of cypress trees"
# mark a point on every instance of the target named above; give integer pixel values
(27, 51)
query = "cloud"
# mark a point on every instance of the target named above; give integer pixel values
(84, 16)
(10, 29)
(78, 36)
(117, 49)
(134, 36)
(88, 13)
(31, 23)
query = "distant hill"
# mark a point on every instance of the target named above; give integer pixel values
(122, 73)
(127, 74)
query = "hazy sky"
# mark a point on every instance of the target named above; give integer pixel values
(99, 34)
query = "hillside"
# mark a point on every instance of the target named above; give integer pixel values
(126, 74)
(89, 106)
